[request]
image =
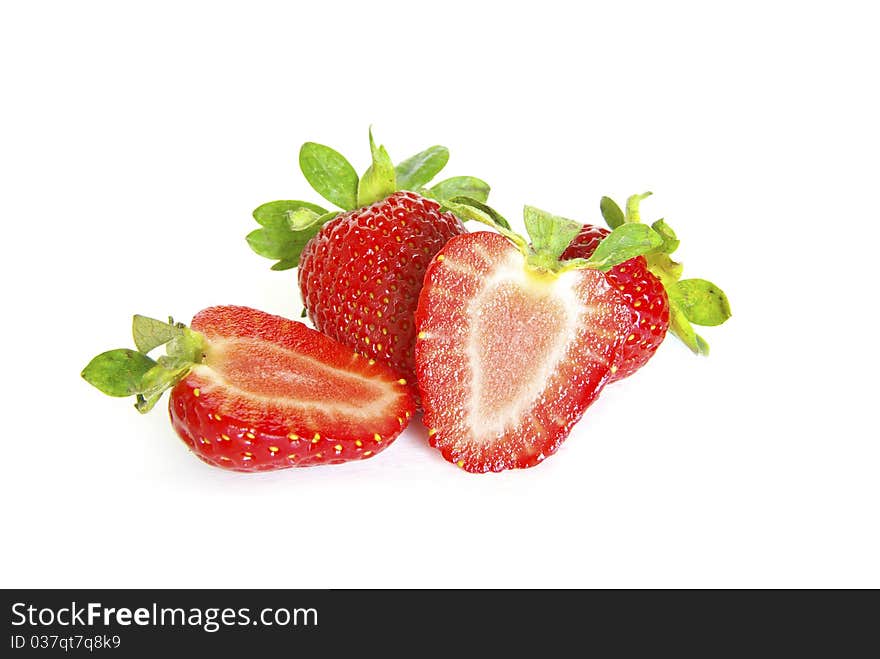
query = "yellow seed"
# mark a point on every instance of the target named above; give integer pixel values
(385, 300)
(293, 437)
(247, 455)
(367, 340)
(378, 314)
(338, 448)
(292, 456)
(218, 417)
(224, 458)
(423, 335)
(196, 392)
(379, 347)
(631, 337)
(408, 414)
(432, 432)
(440, 257)
(384, 331)
(367, 454)
(377, 437)
(614, 369)
(273, 450)
(400, 421)
(225, 438)
(316, 438)
(653, 327)
(401, 381)
(358, 443)
(372, 361)
(205, 441)
(460, 463)
(637, 303)
(250, 435)
(319, 455)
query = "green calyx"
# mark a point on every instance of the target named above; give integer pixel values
(286, 226)
(125, 372)
(550, 235)
(691, 301)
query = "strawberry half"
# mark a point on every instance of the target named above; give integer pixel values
(514, 345)
(361, 270)
(255, 392)
(653, 288)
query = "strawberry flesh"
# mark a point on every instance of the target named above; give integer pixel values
(508, 358)
(273, 393)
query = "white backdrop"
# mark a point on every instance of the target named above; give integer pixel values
(136, 142)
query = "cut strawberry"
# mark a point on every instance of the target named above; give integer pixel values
(513, 346)
(254, 392)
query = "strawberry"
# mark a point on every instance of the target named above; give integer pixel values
(361, 270)
(254, 392)
(653, 288)
(514, 344)
(643, 292)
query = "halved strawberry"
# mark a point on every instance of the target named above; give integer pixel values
(254, 392)
(513, 345)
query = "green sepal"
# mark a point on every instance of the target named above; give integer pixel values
(118, 372)
(632, 207)
(126, 372)
(622, 244)
(417, 171)
(379, 180)
(664, 268)
(330, 174)
(611, 212)
(469, 211)
(277, 214)
(550, 235)
(285, 265)
(682, 328)
(670, 240)
(702, 302)
(150, 333)
(485, 208)
(460, 186)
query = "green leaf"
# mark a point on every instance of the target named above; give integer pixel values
(488, 210)
(468, 211)
(623, 243)
(415, 172)
(702, 302)
(156, 381)
(150, 333)
(379, 180)
(664, 268)
(277, 214)
(550, 235)
(285, 265)
(611, 212)
(118, 372)
(461, 186)
(281, 244)
(681, 327)
(632, 207)
(330, 174)
(670, 241)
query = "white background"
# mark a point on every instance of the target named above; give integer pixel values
(136, 142)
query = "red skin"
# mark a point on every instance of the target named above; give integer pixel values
(643, 292)
(510, 332)
(361, 275)
(260, 400)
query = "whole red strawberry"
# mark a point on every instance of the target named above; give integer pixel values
(643, 292)
(361, 275)
(256, 392)
(361, 271)
(652, 286)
